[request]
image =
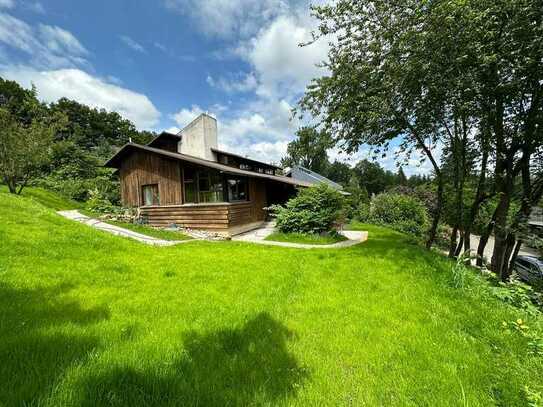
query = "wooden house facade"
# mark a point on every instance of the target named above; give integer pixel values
(226, 194)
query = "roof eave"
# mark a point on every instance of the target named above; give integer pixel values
(114, 162)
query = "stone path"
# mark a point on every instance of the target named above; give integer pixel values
(118, 231)
(258, 236)
(254, 236)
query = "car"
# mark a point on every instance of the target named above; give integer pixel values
(529, 269)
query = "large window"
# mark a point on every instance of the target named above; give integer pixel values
(150, 195)
(189, 185)
(237, 189)
(209, 187)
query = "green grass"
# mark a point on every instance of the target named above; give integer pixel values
(305, 238)
(153, 232)
(355, 225)
(47, 198)
(90, 319)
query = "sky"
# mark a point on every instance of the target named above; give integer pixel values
(161, 63)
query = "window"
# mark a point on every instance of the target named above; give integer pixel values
(245, 167)
(237, 189)
(189, 185)
(209, 187)
(150, 195)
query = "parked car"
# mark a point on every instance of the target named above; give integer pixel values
(529, 269)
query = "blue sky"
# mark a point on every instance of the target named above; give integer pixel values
(162, 62)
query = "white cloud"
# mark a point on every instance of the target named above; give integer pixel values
(266, 35)
(36, 7)
(241, 83)
(84, 88)
(173, 130)
(185, 116)
(160, 46)
(7, 4)
(130, 43)
(229, 18)
(47, 47)
(60, 41)
(283, 66)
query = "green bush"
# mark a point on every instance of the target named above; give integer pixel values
(79, 189)
(401, 212)
(99, 203)
(363, 212)
(317, 210)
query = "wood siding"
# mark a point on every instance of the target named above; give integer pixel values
(207, 217)
(214, 217)
(142, 169)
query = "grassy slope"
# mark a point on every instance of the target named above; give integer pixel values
(91, 319)
(47, 198)
(304, 238)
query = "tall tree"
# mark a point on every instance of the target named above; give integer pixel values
(339, 172)
(510, 69)
(308, 150)
(372, 177)
(25, 150)
(379, 87)
(402, 179)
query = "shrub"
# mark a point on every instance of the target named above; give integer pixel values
(363, 213)
(316, 210)
(99, 203)
(519, 295)
(401, 212)
(79, 189)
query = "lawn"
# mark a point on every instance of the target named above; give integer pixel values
(150, 231)
(47, 198)
(90, 319)
(305, 238)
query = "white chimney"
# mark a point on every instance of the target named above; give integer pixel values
(199, 137)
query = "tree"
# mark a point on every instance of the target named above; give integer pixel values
(308, 150)
(21, 103)
(372, 177)
(93, 129)
(339, 172)
(379, 89)
(467, 75)
(24, 149)
(509, 67)
(402, 179)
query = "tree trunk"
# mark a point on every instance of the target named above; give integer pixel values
(437, 214)
(510, 244)
(452, 245)
(514, 256)
(458, 250)
(480, 195)
(500, 235)
(12, 186)
(484, 240)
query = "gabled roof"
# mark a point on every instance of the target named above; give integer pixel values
(115, 162)
(303, 174)
(164, 135)
(216, 150)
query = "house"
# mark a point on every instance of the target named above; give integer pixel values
(186, 180)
